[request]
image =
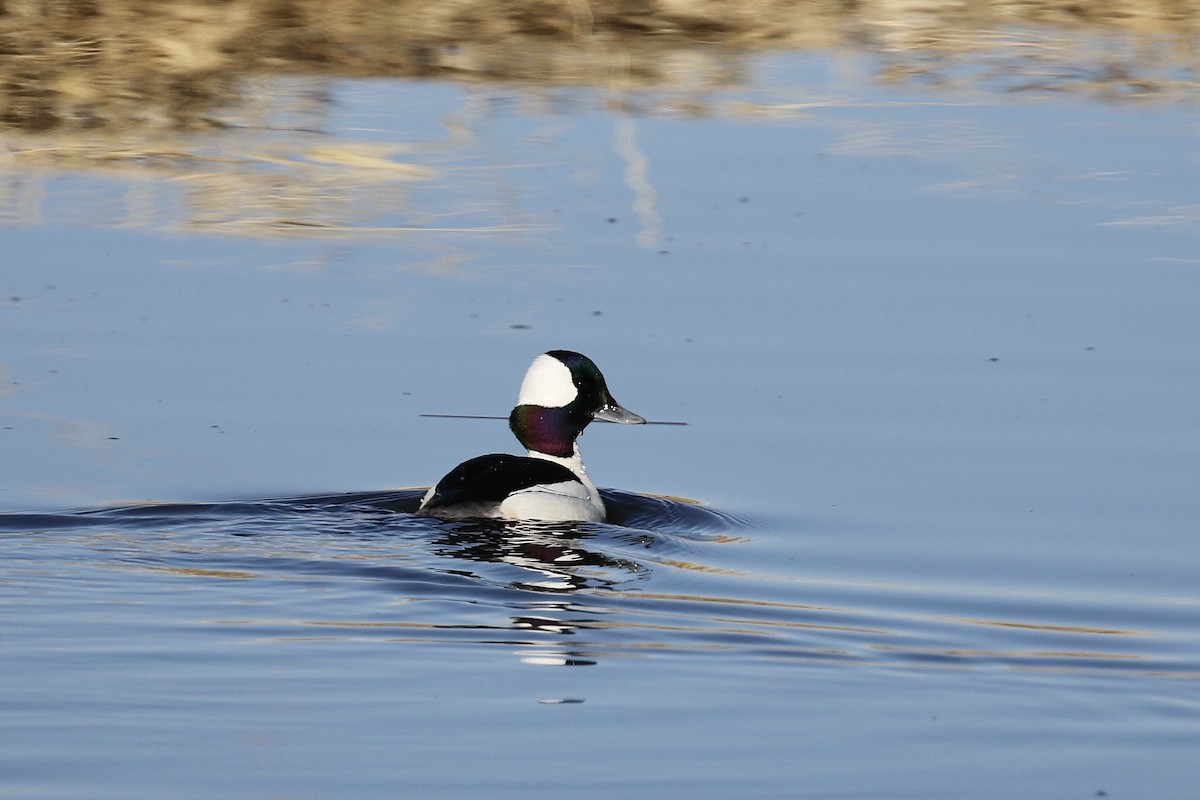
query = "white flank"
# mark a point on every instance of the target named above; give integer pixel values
(555, 502)
(547, 383)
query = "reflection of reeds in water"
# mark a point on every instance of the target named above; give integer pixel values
(268, 169)
(176, 90)
(82, 64)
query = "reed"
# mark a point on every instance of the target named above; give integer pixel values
(88, 63)
(197, 91)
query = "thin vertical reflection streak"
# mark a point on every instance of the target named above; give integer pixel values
(637, 170)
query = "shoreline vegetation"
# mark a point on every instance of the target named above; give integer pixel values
(86, 64)
(228, 99)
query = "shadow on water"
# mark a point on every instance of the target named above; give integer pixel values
(664, 578)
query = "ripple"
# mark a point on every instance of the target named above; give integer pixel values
(665, 578)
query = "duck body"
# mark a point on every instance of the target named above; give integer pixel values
(504, 486)
(562, 393)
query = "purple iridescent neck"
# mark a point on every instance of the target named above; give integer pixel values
(548, 430)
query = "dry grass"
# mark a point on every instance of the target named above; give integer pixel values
(100, 86)
(86, 63)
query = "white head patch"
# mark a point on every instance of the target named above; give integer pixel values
(547, 383)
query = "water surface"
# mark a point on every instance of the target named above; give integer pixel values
(934, 339)
(218, 647)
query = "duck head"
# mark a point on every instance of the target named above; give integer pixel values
(562, 393)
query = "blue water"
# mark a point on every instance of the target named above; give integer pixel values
(333, 644)
(936, 353)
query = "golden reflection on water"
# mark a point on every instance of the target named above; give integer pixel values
(707, 636)
(85, 65)
(1033, 626)
(435, 586)
(666, 623)
(231, 100)
(195, 572)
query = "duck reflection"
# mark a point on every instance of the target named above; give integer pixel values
(551, 557)
(556, 558)
(547, 652)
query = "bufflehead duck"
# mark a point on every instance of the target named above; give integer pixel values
(562, 392)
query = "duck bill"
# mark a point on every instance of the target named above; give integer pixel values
(612, 411)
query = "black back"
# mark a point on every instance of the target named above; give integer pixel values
(493, 477)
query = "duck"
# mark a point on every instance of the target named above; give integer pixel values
(562, 392)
